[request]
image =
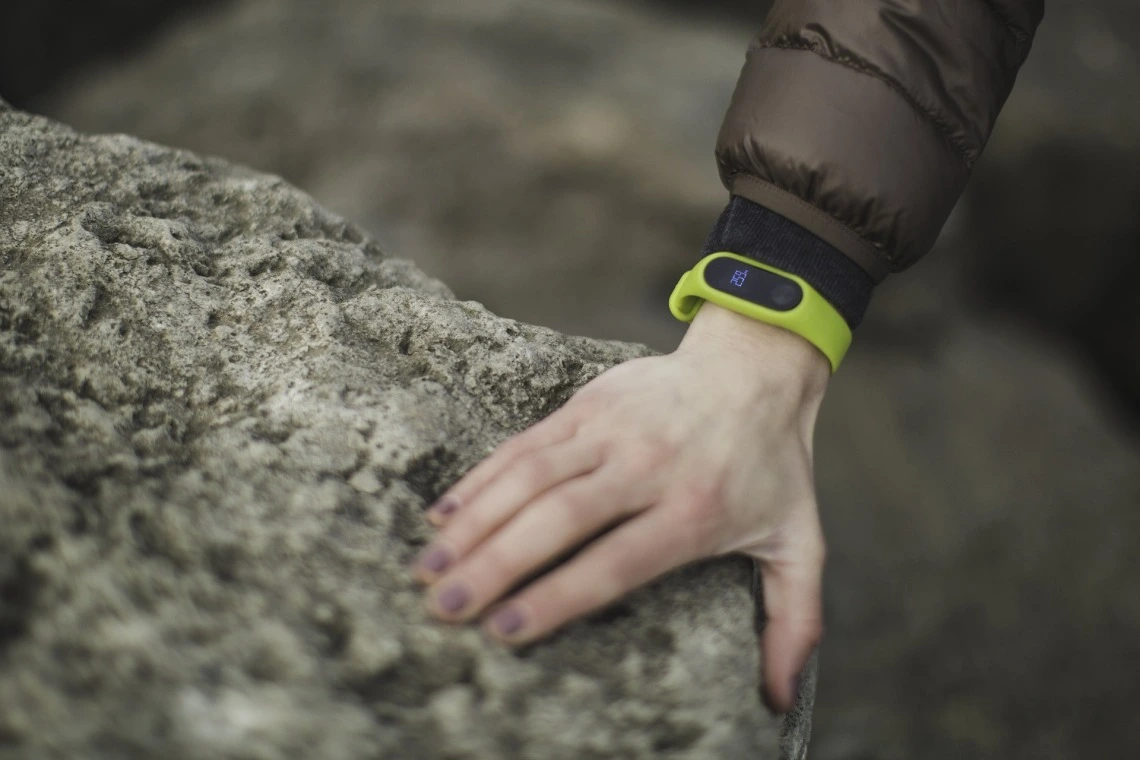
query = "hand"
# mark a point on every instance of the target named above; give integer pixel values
(653, 464)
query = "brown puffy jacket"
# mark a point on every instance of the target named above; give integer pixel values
(860, 120)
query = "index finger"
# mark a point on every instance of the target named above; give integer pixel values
(555, 428)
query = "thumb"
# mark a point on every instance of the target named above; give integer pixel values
(794, 625)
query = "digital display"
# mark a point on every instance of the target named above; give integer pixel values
(753, 284)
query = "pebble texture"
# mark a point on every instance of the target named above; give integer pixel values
(224, 410)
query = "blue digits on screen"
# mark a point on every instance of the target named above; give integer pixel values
(737, 278)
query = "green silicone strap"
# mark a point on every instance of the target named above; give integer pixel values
(813, 318)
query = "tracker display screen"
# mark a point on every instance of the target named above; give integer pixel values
(753, 284)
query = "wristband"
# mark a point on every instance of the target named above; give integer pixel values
(766, 294)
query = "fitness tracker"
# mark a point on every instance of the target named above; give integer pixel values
(765, 293)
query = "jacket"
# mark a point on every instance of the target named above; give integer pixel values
(854, 127)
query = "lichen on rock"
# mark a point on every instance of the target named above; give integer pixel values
(223, 411)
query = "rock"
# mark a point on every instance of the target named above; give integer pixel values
(224, 409)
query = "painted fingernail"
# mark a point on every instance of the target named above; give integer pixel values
(453, 599)
(444, 507)
(436, 559)
(507, 620)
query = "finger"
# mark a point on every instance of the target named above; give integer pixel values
(555, 428)
(630, 555)
(519, 483)
(559, 520)
(794, 626)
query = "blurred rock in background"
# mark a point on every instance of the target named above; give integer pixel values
(1055, 205)
(42, 42)
(554, 160)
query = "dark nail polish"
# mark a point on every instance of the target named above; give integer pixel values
(436, 559)
(445, 507)
(506, 621)
(453, 599)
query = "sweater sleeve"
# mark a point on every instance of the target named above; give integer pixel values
(754, 231)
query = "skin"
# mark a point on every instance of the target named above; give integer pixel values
(648, 470)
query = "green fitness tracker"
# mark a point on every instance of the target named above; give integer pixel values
(765, 293)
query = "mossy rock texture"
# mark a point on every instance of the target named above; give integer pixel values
(223, 411)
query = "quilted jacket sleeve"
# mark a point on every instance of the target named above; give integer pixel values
(860, 120)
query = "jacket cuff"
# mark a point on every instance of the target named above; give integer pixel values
(841, 152)
(760, 233)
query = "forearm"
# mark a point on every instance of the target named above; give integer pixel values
(757, 350)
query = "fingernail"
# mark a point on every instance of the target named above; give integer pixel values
(453, 599)
(795, 686)
(444, 507)
(507, 620)
(436, 559)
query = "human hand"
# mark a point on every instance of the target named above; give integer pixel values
(658, 462)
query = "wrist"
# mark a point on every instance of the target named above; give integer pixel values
(763, 235)
(769, 350)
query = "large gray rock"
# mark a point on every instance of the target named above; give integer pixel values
(223, 410)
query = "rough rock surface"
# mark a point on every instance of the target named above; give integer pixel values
(223, 410)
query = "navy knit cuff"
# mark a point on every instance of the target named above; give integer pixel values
(759, 233)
